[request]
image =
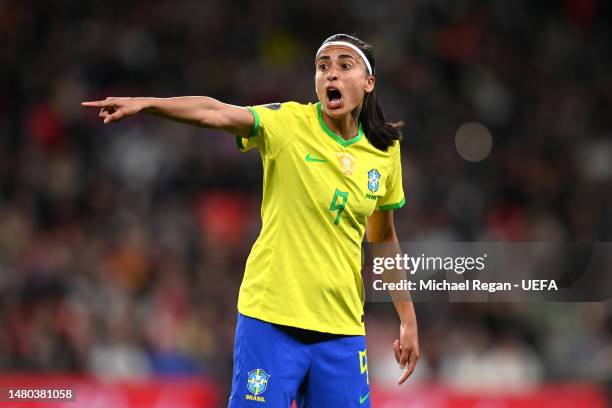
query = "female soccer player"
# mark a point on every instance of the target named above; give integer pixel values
(332, 172)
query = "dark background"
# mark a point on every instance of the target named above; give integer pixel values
(122, 247)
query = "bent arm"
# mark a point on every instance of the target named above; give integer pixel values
(381, 229)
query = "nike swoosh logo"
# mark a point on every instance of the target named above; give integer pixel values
(311, 159)
(364, 398)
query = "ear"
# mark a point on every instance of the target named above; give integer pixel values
(370, 82)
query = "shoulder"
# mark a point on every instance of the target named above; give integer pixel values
(393, 157)
(392, 154)
(394, 151)
(299, 111)
(389, 160)
(289, 110)
(285, 107)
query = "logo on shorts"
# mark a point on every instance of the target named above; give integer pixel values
(257, 384)
(373, 178)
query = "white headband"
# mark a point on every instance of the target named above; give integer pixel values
(351, 46)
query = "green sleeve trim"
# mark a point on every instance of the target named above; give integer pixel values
(395, 206)
(239, 143)
(254, 129)
(257, 122)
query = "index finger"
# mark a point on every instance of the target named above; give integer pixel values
(95, 104)
(404, 377)
(409, 368)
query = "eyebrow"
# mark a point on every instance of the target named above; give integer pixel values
(326, 57)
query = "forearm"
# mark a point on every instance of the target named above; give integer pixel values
(401, 299)
(405, 311)
(381, 234)
(193, 110)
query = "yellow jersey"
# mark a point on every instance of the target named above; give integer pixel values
(319, 189)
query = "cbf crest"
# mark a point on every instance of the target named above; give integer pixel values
(258, 381)
(373, 179)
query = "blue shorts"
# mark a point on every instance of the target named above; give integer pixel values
(275, 365)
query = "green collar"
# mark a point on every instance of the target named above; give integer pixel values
(337, 138)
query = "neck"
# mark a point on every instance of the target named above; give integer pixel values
(346, 126)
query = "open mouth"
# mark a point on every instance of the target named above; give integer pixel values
(333, 94)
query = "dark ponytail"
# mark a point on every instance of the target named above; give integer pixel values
(380, 133)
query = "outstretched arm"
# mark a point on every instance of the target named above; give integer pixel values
(194, 110)
(380, 228)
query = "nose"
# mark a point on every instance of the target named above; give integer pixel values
(332, 74)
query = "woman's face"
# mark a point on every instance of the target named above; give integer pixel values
(341, 80)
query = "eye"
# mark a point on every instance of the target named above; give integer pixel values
(346, 66)
(322, 67)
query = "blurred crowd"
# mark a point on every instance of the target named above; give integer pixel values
(122, 247)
